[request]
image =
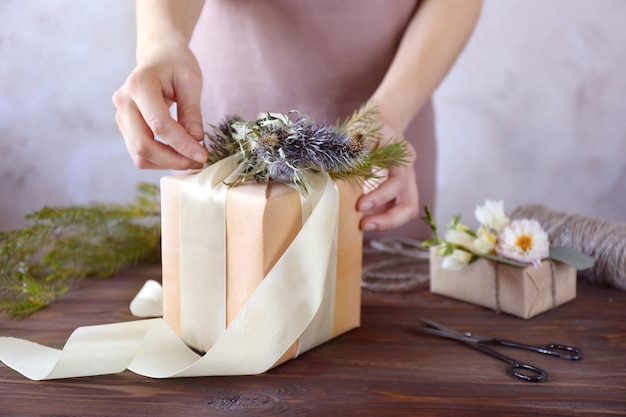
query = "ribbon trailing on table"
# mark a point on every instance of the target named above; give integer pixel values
(294, 301)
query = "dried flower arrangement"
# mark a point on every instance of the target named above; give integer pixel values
(275, 147)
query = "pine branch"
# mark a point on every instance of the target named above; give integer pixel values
(40, 262)
(363, 120)
(387, 156)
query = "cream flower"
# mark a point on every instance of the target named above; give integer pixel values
(279, 120)
(460, 237)
(525, 241)
(492, 215)
(485, 242)
(457, 260)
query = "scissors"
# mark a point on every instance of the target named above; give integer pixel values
(514, 368)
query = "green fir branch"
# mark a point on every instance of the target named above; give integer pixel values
(384, 157)
(383, 153)
(364, 121)
(40, 262)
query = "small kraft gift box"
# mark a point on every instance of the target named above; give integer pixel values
(506, 265)
(520, 291)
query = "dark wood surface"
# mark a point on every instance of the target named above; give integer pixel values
(380, 369)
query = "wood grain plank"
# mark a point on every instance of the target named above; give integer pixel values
(380, 369)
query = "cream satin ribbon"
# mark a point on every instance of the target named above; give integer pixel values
(293, 301)
(202, 221)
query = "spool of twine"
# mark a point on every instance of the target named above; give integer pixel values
(604, 241)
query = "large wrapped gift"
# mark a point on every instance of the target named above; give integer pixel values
(254, 271)
(260, 251)
(523, 292)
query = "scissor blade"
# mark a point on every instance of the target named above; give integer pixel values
(436, 325)
(443, 331)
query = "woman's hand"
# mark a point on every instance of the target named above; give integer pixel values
(163, 76)
(431, 43)
(394, 200)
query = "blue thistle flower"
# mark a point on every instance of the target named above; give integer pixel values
(221, 143)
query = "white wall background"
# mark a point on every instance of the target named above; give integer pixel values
(534, 110)
(60, 62)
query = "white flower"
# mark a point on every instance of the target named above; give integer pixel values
(457, 260)
(279, 120)
(241, 132)
(485, 242)
(525, 241)
(460, 237)
(492, 215)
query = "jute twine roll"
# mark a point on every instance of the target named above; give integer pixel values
(603, 240)
(402, 269)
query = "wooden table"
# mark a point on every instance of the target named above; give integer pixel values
(380, 369)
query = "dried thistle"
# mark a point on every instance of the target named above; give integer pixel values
(221, 143)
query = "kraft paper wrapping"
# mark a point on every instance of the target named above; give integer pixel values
(261, 222)
(523, 292)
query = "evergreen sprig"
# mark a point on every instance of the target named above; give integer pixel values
(40, 262)
(363, 120)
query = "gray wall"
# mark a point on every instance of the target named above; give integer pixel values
(535, 110)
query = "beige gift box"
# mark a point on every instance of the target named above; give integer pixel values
(261, 222)
(522, 292)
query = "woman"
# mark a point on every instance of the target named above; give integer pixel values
(323, 57)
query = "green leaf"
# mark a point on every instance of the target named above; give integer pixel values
(572, 257)
(430, 242)
(454, 221)
(447, 250)
(430, 221)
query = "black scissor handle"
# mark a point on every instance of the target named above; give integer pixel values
(565, 351)
(526, 372)
(515, 368)
(552, 349)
